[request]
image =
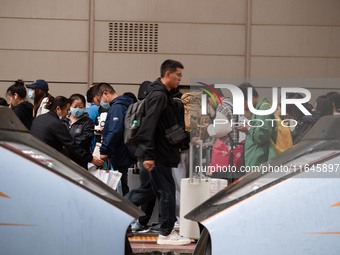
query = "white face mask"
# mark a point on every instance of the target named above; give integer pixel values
(104, 105)
(30, 94)
(77, 112)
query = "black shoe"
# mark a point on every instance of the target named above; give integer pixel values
(156, 228)
(139, 228)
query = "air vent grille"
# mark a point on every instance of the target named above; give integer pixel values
(133, 37)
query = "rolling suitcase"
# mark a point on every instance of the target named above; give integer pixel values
(194, 191)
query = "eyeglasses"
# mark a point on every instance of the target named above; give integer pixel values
(98, 98)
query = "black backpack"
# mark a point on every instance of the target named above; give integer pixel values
(133, 120)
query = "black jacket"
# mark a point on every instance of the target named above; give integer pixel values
(82, 132)
(51, 130)
(185, 144)
(160, 114)
(303, 126)
(24, 111)
(113, 133)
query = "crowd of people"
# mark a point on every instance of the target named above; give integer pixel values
(67, 125)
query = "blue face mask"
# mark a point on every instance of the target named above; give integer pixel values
(77, 112)
(30, 94)
(104, 105)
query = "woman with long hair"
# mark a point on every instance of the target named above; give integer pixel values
(38, 92)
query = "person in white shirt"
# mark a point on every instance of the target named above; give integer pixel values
(38, 92)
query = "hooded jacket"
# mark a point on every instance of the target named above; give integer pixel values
(160, 114)
(24, 111)
(258, 148)
(113, 133)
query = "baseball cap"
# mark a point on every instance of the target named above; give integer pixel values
(38, 84)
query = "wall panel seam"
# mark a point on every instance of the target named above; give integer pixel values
(167, 53)
(91, 41)
(54, 19)
(248, 41)
(293, 25)
(48, 50)
(293, 56)
(171, 22)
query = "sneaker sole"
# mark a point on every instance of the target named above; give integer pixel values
(141, 231)
(154, 231)
(172, 243)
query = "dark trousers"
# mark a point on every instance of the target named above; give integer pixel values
(124, 179)
(164, 185)
(161, 185)
(143, 193)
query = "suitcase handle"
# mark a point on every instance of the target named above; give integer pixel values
(198, 175)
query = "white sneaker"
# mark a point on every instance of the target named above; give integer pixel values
(173, 239)
(176, 226)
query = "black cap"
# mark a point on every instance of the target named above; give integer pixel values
(38, 84)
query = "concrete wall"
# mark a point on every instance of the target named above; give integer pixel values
(269, 42)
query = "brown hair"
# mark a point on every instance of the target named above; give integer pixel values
(39, 96)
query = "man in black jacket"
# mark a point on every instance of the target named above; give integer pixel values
(156, 152)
